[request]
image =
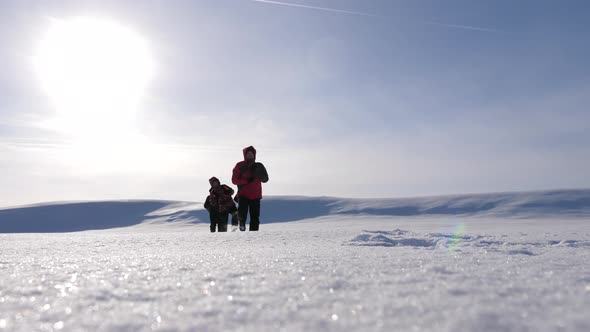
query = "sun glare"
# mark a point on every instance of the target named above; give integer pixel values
(95, 72)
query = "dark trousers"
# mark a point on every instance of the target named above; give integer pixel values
(234, 216)
(253, 205)
(218, 219)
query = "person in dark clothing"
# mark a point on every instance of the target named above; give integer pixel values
(249, 175)
(220, 205)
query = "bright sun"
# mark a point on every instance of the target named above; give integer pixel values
(95, 72)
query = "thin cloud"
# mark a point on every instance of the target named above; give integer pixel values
(16, 144)
(445, 25)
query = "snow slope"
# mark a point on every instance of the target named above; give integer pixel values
(79, 216)
(355, 265)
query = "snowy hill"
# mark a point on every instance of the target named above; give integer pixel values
(80, 216)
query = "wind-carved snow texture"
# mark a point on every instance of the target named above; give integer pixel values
(458, 242)
(397, 238)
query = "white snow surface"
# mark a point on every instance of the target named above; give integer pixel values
(377, 267)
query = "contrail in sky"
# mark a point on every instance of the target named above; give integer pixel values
(446, 25)
(314, 7)
(459, 26)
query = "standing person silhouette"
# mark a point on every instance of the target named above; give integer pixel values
(249, 175)
(220, 205)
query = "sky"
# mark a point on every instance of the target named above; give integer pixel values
(343, 98)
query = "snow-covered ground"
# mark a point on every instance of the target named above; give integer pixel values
(498, 262)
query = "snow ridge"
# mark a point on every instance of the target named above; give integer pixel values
(81, 216)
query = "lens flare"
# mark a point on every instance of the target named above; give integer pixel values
(458, 232)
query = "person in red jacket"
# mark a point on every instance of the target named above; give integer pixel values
(220, 204)
(249, 175)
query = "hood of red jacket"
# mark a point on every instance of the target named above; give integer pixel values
(246, 149)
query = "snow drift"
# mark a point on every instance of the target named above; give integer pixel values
(80, 216)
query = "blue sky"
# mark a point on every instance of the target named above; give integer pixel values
(399, 103)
